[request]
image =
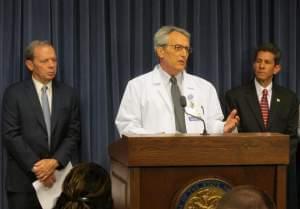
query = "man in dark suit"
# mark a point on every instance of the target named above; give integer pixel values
(264, 106)
(40, 127)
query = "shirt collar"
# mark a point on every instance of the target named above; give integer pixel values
(260, 88)
(38, 85)
(166, 77)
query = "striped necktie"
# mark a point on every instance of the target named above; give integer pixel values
(264, 107)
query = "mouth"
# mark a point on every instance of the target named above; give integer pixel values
(182, 62)
(51, 73)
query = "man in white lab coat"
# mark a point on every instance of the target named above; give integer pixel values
(147, 105)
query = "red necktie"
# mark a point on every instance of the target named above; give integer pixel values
(264, 107)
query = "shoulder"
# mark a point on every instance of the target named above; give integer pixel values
(198, 82)
(143, 77)
(18, 87)
(141, 80)
(240, 90)
(284, 92)
(64, 92)
(63, 87)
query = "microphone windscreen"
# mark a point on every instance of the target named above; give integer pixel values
(183, 101)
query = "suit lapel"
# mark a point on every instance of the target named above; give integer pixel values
(275, 106)
(36, 105)
(56, 94)
(253, 102)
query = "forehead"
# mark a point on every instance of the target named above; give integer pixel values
(178, 38)
(265, 55)
(43, 50)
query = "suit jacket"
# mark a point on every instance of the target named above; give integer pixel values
(284, 110)
(25, 135)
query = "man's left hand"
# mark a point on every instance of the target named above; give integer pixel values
(49, 181)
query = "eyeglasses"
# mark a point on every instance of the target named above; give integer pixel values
(179, 48)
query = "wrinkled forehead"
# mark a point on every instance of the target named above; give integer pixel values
(178, 38)
(43, 50)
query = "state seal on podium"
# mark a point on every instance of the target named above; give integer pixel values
(202, 194)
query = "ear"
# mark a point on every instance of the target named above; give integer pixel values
(160, 52)
(277, 69)
(29, 65)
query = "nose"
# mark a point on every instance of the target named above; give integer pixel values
(51, 63)
(261, 65)
(184, 53)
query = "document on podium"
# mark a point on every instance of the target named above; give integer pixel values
(47, 196)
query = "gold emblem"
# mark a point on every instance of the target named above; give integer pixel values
(202, 194)
(206, 198)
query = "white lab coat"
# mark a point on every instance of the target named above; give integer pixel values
(146, 106)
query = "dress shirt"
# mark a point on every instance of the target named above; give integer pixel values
(165, 77)
(38, 86)
(259, 91)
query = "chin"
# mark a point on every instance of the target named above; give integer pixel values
(180, 69)
(50, 78)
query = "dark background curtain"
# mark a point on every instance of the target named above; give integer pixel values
(101, 44)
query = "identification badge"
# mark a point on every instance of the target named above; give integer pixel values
(191, 118)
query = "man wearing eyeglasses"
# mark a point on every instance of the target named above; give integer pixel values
(168, 99)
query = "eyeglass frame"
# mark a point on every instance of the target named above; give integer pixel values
(179, 47)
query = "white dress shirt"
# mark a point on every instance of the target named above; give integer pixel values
(38, 87)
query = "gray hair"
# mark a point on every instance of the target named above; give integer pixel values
(161, 36)
(29, 51)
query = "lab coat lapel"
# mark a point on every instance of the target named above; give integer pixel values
(159, 87)
(187, 85)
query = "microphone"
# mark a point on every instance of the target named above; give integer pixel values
(183, 105)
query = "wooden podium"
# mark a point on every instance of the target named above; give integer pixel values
(149, 171)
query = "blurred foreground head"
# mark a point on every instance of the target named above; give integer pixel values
(87, 186)
(246, 197)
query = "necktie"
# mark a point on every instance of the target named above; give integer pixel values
(178, 109)
(264, 107)
(46, 112)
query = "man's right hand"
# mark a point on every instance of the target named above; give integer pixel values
(44, 168)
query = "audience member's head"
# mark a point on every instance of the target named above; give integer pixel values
(87, 186)
(246, 197)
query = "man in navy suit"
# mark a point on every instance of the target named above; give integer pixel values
(35, 147)
(280, 114)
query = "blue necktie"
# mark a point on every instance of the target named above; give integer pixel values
(46, 112)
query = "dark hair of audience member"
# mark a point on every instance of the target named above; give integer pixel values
(246, 197)
(87, 186)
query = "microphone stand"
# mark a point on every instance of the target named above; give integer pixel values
(204, 132)
(183, 104)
